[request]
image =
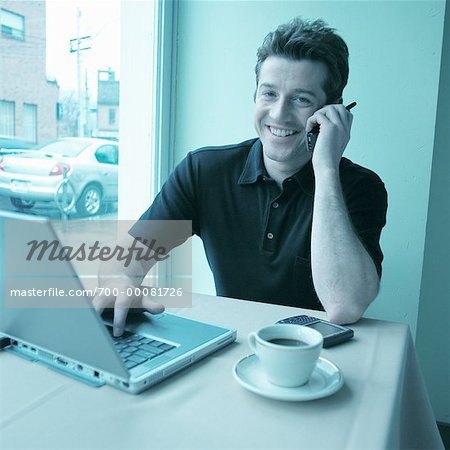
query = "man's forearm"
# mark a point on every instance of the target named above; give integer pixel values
(344, 274)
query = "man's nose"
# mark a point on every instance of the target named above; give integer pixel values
(281, 109)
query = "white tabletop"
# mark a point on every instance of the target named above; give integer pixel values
(383, 403)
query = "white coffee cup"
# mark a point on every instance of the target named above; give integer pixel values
(287, 353)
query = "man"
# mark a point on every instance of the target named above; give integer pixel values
(281, 224)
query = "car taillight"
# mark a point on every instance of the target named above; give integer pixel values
(59, 168)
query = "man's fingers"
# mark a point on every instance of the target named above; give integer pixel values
(123, 303)
(120, 316)
(152, 306)
(336, 114)
(311, 123)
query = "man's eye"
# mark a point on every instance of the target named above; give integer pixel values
(268, 94)
(303, 100)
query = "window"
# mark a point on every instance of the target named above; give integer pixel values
(107, 154)
(13, 25)
(57, 99)
(112, 116)
(30, 122)
(59, 111)
(7, 118)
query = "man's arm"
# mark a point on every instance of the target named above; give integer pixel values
(344, 274)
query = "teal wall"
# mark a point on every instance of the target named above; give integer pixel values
(433, 330)
(395, 60)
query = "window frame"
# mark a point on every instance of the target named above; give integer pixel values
(20, 36)
(146, 137)
(5, 132)
(166, 58)
(147, 106)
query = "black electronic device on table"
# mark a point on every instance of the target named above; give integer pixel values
(332, 333)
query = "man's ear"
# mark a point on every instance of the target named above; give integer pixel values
(254, 93)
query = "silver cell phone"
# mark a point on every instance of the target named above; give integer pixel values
(332, 333)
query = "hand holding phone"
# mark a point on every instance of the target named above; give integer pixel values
(311, 137)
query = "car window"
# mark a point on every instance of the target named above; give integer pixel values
(107, 154)
(64, 147)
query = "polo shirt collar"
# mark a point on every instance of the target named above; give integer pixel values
(254, 166)
(254, 169)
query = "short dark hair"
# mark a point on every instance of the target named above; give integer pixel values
(314, 40)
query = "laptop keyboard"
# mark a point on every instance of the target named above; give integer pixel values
(135, 349)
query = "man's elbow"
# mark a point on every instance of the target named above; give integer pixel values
(345, 316)
(350, 310)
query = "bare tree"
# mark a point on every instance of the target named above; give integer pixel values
(69, 117)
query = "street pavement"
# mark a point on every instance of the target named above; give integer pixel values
(51, 211)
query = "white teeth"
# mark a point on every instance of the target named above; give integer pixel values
(281, 133)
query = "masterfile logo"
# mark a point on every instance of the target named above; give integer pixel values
(56, 263)
(53, 250)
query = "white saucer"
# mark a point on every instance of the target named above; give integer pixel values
(325, 380)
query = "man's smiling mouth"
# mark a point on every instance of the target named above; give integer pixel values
(281, 132)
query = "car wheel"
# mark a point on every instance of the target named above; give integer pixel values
(22, 204)
(90, 201)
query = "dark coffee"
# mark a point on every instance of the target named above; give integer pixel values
(288, 342)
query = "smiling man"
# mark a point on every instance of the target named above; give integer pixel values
(281, 224)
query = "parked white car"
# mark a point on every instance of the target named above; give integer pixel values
(67, 172)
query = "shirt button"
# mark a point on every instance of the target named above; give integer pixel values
(269, 236)
(275, 205)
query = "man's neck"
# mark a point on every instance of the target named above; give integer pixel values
(280, 171)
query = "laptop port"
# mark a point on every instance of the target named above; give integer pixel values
(4, 342)
(80, 367)
(61, 361)
(96, 374)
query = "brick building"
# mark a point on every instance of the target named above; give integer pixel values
(28, 100)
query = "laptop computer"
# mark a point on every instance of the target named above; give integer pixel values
(79, 343)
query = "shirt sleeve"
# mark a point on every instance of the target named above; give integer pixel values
(367, 206)
(175, 202)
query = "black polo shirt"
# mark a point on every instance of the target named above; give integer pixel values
(257, 237)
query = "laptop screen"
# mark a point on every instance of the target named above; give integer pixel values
(42, 318)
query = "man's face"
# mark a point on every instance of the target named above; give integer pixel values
(288, 93)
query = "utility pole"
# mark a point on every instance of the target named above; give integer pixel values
(80, 125)
(87, 128)
(78, 42)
